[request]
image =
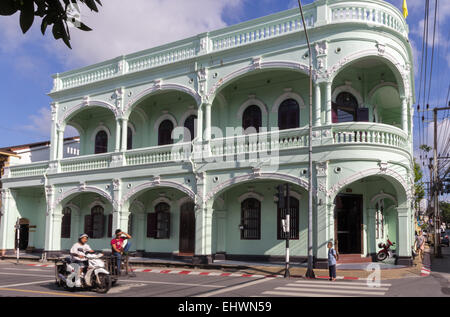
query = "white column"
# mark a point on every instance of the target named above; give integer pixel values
(124, 134)
(200, 123)
(140, 233)
(328, 103)
(208, 122)
(60, 145)
(318, 105)
(404, 115)
(53, 142)
(5, 215)
(203, 232)
(52, 223)
(117, 147)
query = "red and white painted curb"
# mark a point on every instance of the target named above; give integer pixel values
(425, 271)
(221, 274)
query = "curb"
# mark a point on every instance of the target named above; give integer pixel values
(200, 273)
(425, 271)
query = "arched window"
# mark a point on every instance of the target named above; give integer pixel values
(289, 115)
(165, 133)
(189, 126)
(101, 142)
(158, 223)
(345, 109)
(129, 139)
(294, 215)
(65, 223)
(94, 223)
(252, 118)
(251, 219)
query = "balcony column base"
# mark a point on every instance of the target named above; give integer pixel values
(118, 160)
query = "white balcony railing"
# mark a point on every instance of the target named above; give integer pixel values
(271, 143)
(372, 12)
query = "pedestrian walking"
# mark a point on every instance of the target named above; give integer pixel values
(332, 259)
(420, 244)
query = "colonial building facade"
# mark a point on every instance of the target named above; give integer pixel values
(183, 145)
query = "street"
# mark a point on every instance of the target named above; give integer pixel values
(28, 281)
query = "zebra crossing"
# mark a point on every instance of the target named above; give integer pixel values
(317, 288)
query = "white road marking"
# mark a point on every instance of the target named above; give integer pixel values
(17, 269)
(327, 291)
(20, 274)
(24, 284)
(298, 294)
(312, 284)
(173, 283)
(337, 283)
(229, 289)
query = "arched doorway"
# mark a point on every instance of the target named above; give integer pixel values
(348, 223)
(24, 234)
(187, 229)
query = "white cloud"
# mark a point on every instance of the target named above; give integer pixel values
(41, 124)
(125, 27)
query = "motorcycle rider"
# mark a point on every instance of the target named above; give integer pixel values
(78, 252)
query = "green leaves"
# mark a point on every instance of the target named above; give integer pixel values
(26, 15)
(52, 12)
(8, 7)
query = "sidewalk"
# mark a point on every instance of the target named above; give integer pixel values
(347, 270)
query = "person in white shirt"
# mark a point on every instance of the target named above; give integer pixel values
(78, 252)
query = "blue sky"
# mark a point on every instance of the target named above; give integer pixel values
(28, 61)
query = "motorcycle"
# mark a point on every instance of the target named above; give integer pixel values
(385, 251)
(95, 277)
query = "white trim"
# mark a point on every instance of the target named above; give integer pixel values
(286, 96)
(255, 195)
(283, 65)
(252, 101)
(216, 191)
(132, 127)
(187, 114)
(184, 200)
(86, 105)
(157, 184)
(73, 208)
(382, 195)
(162, 200)
(97, 202)
(349, 89)
(381, 85)
(101, 127)
(158, 88)
(164, 117)
(81, 190)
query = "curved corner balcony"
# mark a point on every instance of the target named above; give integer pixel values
(373, 13)
(338, 135)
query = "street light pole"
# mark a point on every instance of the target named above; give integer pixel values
(310, 271)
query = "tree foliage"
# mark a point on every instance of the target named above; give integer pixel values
(52, 12)
(419, 190)
(445, 211)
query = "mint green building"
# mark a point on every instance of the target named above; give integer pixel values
(242, 93)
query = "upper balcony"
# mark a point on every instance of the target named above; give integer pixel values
(320, 14)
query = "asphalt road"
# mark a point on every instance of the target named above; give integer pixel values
(26, 281)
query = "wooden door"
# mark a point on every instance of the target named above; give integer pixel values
(348, 224)
(187, 229)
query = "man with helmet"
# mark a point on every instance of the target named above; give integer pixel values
(78, 252)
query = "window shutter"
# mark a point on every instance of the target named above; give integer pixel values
(110, 222)
(151, 225)
(88, 225)
(65, 224)
(98, 222)
(166, 225)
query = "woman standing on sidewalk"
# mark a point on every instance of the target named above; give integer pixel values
(420, 244)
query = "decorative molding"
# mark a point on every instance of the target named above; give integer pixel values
(184, 200)
(161, 119)
(302, 68)
(160, 87)
(83, 188)
(87, 103)
(381, 85)
(285, 96)
(216, 191)
(162, 199)
(187, 114)
(101, 127)
(252, 101)
(383, 195)
(348, 88)
(251, 194)
(157, 182)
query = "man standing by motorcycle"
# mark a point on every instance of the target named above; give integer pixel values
(117, 246)
(78, 252)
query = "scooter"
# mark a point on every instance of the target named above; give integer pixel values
(385, 251)
(70, 275)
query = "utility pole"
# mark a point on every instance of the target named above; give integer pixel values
(17, 240)
(310, 272)
(435, 188)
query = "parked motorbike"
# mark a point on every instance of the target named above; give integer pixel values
(95, 277)
(385, 251)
